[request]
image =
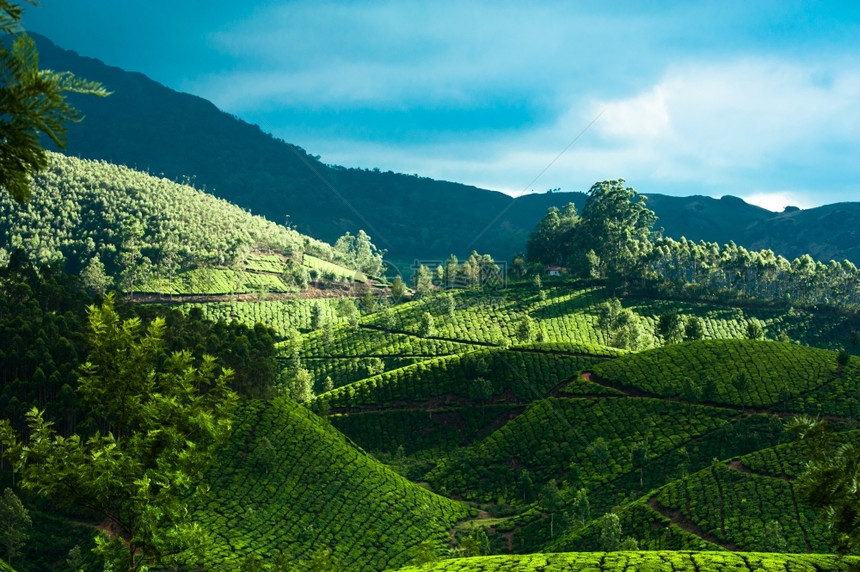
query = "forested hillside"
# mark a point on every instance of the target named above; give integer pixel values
(112, 224)
(185, 385)
(149, 127)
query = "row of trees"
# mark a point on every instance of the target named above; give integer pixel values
(694, 268)
(614, 238)
(477, 271)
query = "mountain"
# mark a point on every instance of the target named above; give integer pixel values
(148, 126)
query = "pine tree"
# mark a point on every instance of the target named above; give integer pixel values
(32, 102)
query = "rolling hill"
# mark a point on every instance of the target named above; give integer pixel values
(503, 415)
(153, 235)
(288, 482)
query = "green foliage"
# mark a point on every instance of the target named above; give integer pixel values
(312, 491)
(398, 288)
(157, 235)
(746, 504)
(745, 372)
(612, 238)
(549, 243)
(419, 432)
(755, 331)
(616, 227)
(671, 328)
(15, 523)
(33, 103)
(829, 481)
(526, 329)
(646, 562)
(365, 256)
(553, 435)
(422, 281)
(774, 541)
(141, 471)
(526, 375)
(693, 329)
(610, 532)
(622, 326)
(281, 315)
(425, 327)
(731, 272)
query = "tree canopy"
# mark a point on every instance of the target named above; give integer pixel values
(160, 418)
(613, 237)
(32, 103)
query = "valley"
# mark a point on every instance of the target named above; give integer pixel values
(227, 367)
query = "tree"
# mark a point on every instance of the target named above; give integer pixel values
(842, 359)
(300, 385)
(693, 329)
(610, 532)
(14, 523)
(317, 317)
(346, 309)
(709, 389)
(131, 257)
(550, 242)
(398, 288)
(599, 451)
(161, 419)
(322, 560)
(639, 456)
(422, 281)
(829, 481)
(741, 383)
(481, 390)
(360, 252)
(552, 503)
(33, 102)
(327, 384)
(616, 224)
(622, 326)
(774, 540)
(670, 326)
(449, 305)
(755, 331)
(368, 302)
(94, 276)
(75, 560)
(581, 506)
(425, 326)
(525, 329)
(425, 554)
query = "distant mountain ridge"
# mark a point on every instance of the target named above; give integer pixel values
(184, 137)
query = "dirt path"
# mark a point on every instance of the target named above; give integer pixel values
(335, 291)
(688, 526)
(741, 468)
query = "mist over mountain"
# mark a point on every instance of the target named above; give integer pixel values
(184, 137)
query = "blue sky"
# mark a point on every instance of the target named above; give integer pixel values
(756, 99)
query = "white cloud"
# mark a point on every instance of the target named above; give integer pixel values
(778, 200)
(707, 122)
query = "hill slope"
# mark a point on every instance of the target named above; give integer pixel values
(289, 482)
(142, 227)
